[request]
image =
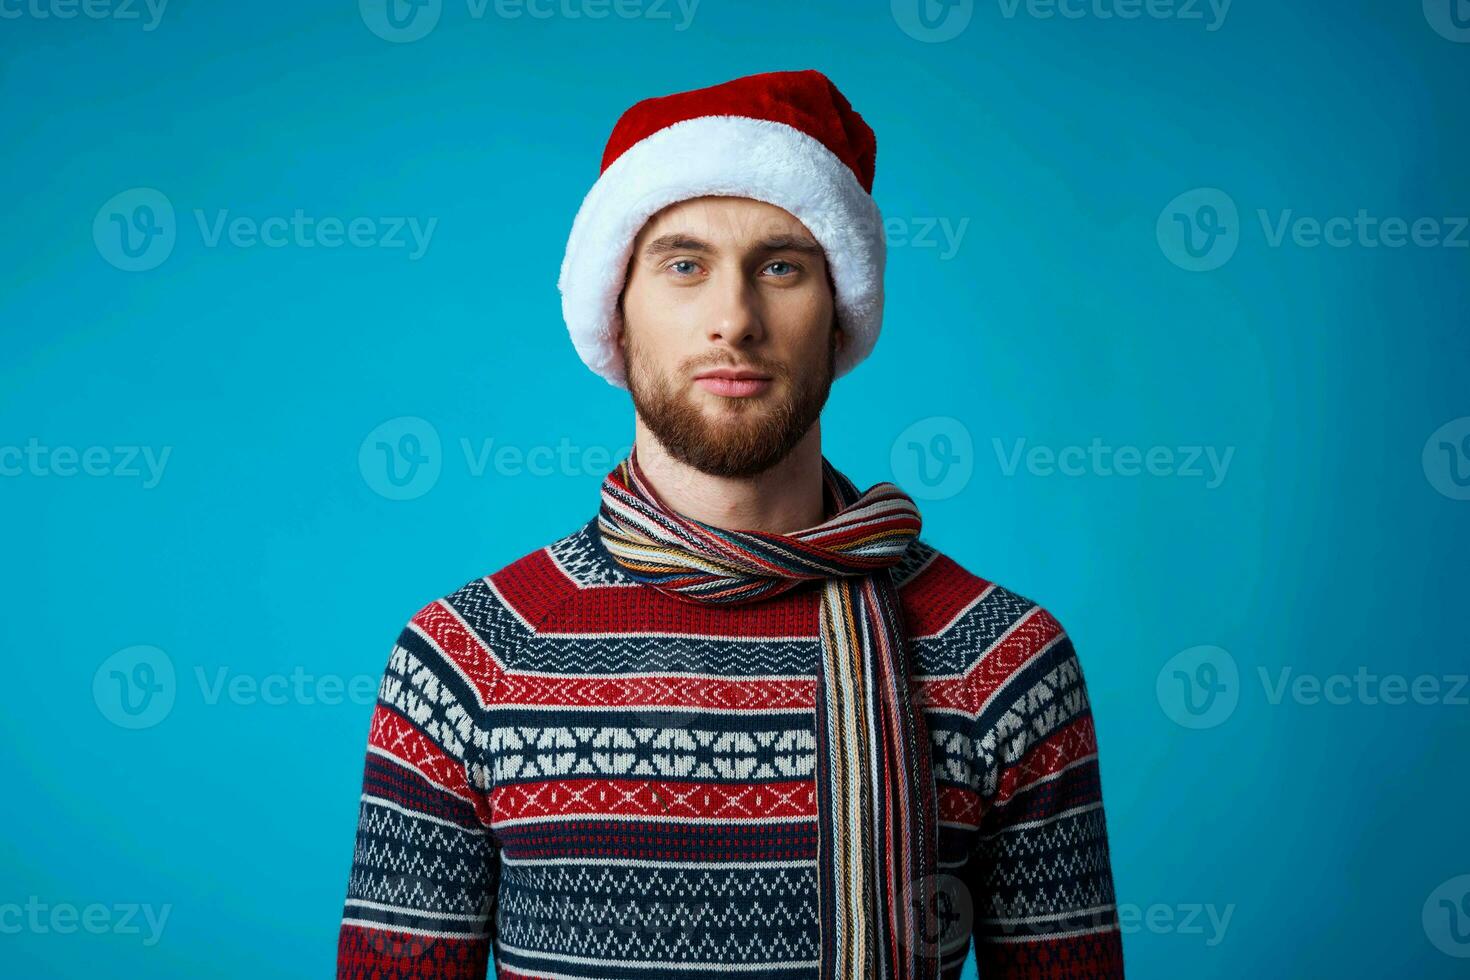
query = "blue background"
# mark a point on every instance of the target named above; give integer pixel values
(270, 544)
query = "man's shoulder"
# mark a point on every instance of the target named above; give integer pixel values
(960, 618)
(489, 615)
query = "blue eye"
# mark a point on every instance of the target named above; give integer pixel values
(788, 266)
(675, 265)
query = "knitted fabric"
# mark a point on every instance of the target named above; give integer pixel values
(875, 792)
(573, 773)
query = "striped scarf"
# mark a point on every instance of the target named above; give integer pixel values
(875, 789)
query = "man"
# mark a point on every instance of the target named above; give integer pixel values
(743, 720)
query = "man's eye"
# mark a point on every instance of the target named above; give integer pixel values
(680, 265)
(784, 269)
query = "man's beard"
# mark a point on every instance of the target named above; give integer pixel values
(751, 435)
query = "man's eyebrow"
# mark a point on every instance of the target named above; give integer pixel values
(682, 242)
(677, 242)
(791, 243)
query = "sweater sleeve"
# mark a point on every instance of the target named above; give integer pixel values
(1040, 877)
(421, 891)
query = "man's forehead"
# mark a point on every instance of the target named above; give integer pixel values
(728, 221)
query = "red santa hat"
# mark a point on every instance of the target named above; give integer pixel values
(787, 138)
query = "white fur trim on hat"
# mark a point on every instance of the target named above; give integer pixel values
(729, 156)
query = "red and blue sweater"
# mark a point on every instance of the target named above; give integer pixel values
(572, 775)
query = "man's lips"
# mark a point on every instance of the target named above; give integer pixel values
(733, 387)
(733, 382)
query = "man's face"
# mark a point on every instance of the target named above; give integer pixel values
(728, 284)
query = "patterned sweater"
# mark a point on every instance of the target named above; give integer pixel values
(572, 775)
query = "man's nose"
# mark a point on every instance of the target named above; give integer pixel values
(737, 318)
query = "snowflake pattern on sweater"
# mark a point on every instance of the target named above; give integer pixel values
(572, 775)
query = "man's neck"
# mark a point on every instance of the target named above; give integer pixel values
(785, 498)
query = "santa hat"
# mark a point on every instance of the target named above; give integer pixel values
(787, 138)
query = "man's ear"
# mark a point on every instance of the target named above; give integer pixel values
(841, 335)
(622, 318)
